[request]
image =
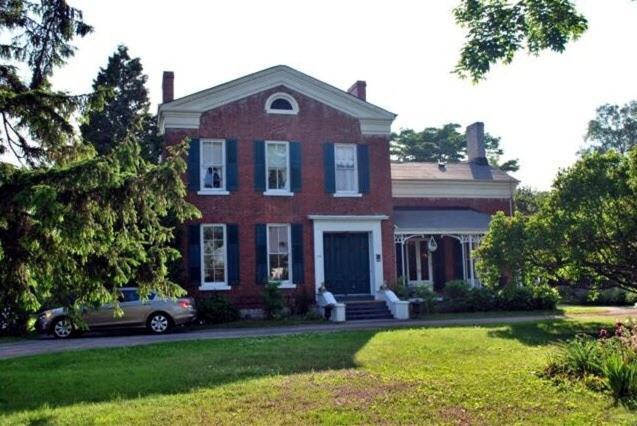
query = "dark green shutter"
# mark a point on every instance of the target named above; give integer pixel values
(194, 166)
(231, 165)
(259, 166)
(295, 167)
(194, 254)
(298, 272)
(261, 255)
(363, 168)
(329, 167)
(232, 234)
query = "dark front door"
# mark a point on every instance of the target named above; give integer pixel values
(346, 262)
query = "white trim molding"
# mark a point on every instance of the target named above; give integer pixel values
(370, 224)
(221, 285)
(289, 283)
(347, 218)
(185, 112)
(451, 189)
(285, 96)
(224, 167)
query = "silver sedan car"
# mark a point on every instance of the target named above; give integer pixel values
(158, 315)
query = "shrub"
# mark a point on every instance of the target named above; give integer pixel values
(595, 297)
(272, 299)
(216, 310)
(621, 376)
(13, 322)
(427, 296)
(581, 357)
(516, 298)
(457, 290)
(483, 299)
(301, 302)
(545, 297)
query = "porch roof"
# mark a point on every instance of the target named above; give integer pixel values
(441, 221)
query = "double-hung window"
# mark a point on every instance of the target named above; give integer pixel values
(213, 165)
(346, 175)
(277, 158)
(279, 257)
(214, 255)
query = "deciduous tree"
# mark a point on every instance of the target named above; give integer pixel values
(585, 231)
(614, 127)
(444, 144)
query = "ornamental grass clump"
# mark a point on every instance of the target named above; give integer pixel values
(609, 360)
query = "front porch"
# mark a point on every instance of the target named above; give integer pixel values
(435, 246)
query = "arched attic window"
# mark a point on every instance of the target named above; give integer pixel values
(281, 103)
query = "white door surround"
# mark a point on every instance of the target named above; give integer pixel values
(347, 223)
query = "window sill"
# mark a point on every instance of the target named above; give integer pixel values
(279, 193)
(213, 192)
(287, 286)
(212, 287)
(281, 111)
(347, 194)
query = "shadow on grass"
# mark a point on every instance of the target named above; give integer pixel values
(103, 375)
(546, 332)
(67, 378)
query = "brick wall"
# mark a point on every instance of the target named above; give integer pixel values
(246, 120)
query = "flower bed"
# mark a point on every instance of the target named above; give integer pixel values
(607, 362)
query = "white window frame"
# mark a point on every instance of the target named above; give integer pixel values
(202, 175)
(276, 191)
(289, 283)
(213, 285)
(356, 192)
(417, 248)
(287, 97)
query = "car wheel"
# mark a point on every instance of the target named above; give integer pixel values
(159, 323)
(62, 328)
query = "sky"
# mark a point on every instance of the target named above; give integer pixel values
(405, 50)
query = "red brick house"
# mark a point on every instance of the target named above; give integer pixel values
(295, 184)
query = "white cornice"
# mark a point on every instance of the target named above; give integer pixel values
(347, 218)
(452, 189)
(373, 119)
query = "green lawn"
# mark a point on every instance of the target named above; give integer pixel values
(453, 375)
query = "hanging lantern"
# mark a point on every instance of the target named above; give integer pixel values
(432, 245)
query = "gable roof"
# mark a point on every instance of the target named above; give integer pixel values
(186, 111)
(452, 172)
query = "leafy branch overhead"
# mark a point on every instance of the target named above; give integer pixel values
(497, 29)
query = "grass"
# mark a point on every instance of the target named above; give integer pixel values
(449, 375)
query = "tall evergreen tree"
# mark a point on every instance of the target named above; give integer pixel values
(74, 227)
(444, 144)
(124, 110)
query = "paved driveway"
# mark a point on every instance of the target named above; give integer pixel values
(43, 345)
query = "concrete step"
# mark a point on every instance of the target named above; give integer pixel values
(352, 317)
(361, 310)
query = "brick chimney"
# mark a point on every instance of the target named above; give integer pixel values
(476, 152)
(168, 86)
(359, 89)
